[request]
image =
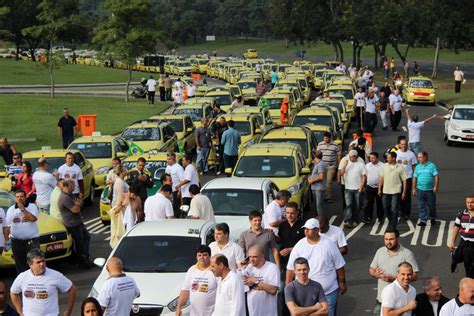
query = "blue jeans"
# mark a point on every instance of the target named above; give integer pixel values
(415, 147)
(351, 213)
(426, 198)
(332, 302)
(201, 160)
(318, 198)
(390, 204)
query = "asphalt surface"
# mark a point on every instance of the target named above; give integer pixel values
(429, 243)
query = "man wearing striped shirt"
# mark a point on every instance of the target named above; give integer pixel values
(464, 227)
(331, 157)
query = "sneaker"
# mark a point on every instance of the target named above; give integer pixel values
(421, 224)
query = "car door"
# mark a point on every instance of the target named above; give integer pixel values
(189, 139)
(87, 172)
(169, 137)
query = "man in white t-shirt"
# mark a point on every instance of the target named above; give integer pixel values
(3, 230)
(407, 159)
(200, 207)
(151, 90)
(159, 205)
(263, 279)
(199, 286)
(118, 292)
(371, 105)
(71, 171)
(353, 172)
(463, 304)
(325, 262)
(360, 105)
(273, 215)
(190, 176)
(334, 233)
(176, 171)
(223, 245)
(372, 170)
(230, 295)
(399, 296)
(414, 131)
(35, 291)
(396, 105)
(44, 183)
(458, 79)
(191, 90)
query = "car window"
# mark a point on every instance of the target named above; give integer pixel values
(188, 122)
(94, 150)
(208, 111)
(210, 236)
(464, 114)
(235, 201)
(79, 160)
(123, 145)
(141, 134)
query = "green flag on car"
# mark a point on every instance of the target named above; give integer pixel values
(264, 103)
(134, 149)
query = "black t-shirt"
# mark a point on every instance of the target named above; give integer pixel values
(67, 125)
(384, 103)
(290, 235)
(386, 90)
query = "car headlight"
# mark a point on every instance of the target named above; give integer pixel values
(102, 170)
(455, 127)
(432, 94)
(411, 93)
(294, 188)
(93, 293)
(172, 305)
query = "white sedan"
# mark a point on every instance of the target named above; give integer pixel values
(234, 198)
(459, 125)
(157, 255)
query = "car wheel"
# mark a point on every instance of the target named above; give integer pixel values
(445, 138)
(449, 143)
(90, 199)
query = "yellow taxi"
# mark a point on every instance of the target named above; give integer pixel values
(263, 114)
(297, 99)
(318, 82)
(319, 130)
(248, 88)
(201, 90)
(201, 65)
(250, 53)
(274, 101)
(328, 75)
(282, 70)
(222, 96)
(155, 165)
(292, 134)
(196, 108)
(348, 92)
(283, 163)
(319, 116)
(419, 90)
(100, 150)
(303, 84)
(55, 241)
(146, 135)
(338, 105)
(56, 158)
(247, 125)
(184, 129)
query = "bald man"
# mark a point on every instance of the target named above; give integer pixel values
(463, 304)
(118, 292)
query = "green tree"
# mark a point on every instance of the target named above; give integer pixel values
(127, 32)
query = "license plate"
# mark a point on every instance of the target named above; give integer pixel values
(55, 246)
(470, 136)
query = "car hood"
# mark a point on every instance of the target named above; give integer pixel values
(237, 224)
(155, 288)
(283, 183)
(148, 145)
(48, 224)
(462, 123)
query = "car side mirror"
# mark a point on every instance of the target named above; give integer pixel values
(121, 155)
(100, 262)
(305, 170)
(189, 129)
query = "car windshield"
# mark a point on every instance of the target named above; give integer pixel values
(275, 103)
(464, 114)
(265, 166)
(282, 68)
(157, 253)
(247, 85)
(318, 135)
(348, 94)
(53, 162)
(156, 168)
(319, 74)
(184, 64)
(242, 127)
(314, 119)
(94, 150)
(195, 114)
(141, 133)
(235, 201)
(421, 84)
(176, 124)
(302, 142)
(6, 200)
(222, 99)
(337, 105)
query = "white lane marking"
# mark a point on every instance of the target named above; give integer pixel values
(404, 128)
(91, 220)
(93, 226)
(376, 225)
(411, 227)
(354, 230)
(442, 107)
(99, 229)
(333, 218)
(450, 233)
(107, 239)
(439, 240)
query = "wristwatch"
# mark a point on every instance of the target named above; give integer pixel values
(256, 283)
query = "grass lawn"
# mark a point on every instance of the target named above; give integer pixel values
(26, 116)
(27, 72)
(277, 48)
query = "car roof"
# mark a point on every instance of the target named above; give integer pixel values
(92, 139)
(314, 111)
(168, 117)
(236, 183)
(146, 124)
(238, 117)
(463, 106)
(286, 132)
(420, 78)
(281, 149)
(168, 227)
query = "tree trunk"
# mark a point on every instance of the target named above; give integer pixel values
(358, 56)
(376, 54)
(341, 52)
(287, 44)
(403, 57)
(17, 51)
(436, 59)
(355, 45)
(128, 81)
(51, 79)
(336, 51)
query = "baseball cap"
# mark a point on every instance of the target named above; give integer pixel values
(311, 223)
(353, 153)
